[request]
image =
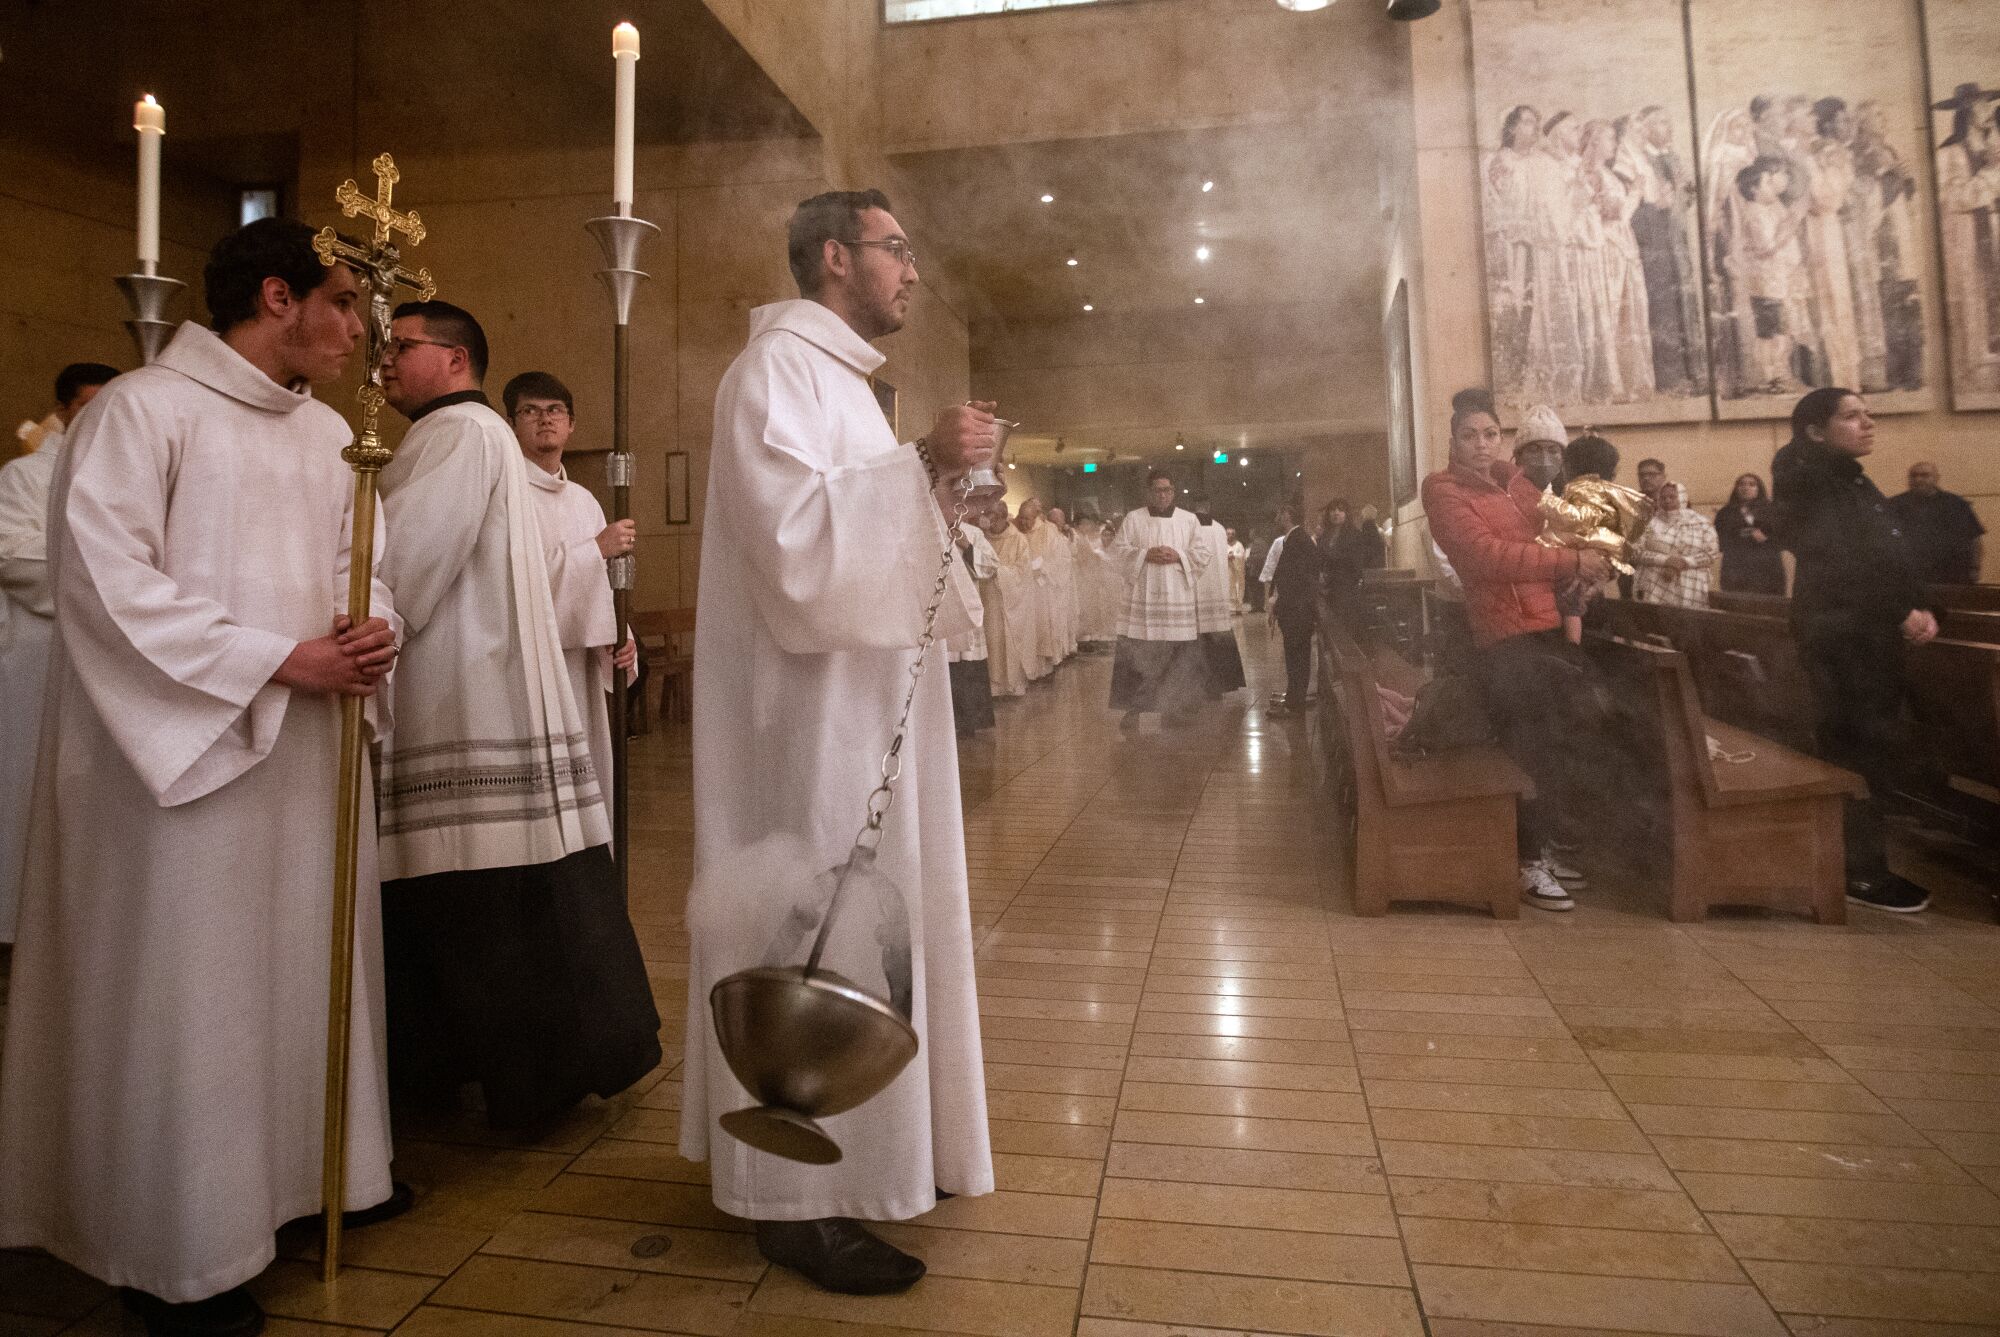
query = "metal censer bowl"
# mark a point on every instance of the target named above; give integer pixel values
(807, 1043)
(989, 484)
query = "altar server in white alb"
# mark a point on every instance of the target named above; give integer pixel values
(161, 1079)
(27, 619)
(824, 542)
(1214, 613)
(578, 541)
(1159, 664)
(511, 961)
(969, 652)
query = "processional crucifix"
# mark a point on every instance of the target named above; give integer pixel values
(380, 269)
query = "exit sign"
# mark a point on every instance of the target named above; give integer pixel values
(1090, 467)
(1222, 457)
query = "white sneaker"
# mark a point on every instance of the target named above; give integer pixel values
(1563, 871)
(1539, 888)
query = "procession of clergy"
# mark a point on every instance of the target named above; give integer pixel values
(174, 555)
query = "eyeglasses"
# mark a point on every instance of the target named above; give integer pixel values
(898, 249)
(398, 347)
(547, 412)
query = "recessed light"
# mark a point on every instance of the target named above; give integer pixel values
(1048, 199)
(1088, 307)
(1201, 252)
(1201, 301)
(1207, 186)
(1010, 464)
(1071, 262)
(1180, 445)
(1243, 460)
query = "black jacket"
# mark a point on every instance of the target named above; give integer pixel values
(1296, 582)
(1854, 571)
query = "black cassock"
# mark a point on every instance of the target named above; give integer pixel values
(526, 980)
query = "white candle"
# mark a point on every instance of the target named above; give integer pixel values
(625, 55)
(149, 118)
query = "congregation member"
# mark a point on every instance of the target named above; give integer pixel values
(1482, 510)
(1942, 532)
(1651, 474)
(820, 556)
(967, 651)
(1293, 574)
(162, 1079)
(511, 962)
(27, 619)
(1159, 666)
(1540, 445)
(1752, 560)
(1857, 601)
(1215, 616)
(578, 541)
(1007, 601)
(1675, 553)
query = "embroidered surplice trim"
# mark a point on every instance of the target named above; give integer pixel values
(480, 782)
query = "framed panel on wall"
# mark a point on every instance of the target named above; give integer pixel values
(885, 396)
(1587, 205)
(1402, 399)
(1963, 37)
(1815, 203)
(677, 487)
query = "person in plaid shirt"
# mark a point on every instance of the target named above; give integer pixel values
(1676, 552)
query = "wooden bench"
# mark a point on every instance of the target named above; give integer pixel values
(1970, 621)
(1972, 598)
(1435, 828)
(1766, 832)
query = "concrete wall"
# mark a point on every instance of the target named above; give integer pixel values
(1452, 344)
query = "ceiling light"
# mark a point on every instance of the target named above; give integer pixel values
(1243, 460)
(1010, 464)
(1201, 252)
(1071, 262)
(1048, 199)
(1088, 307)
(1303, 6)
(1207, 186)
(1201, 301)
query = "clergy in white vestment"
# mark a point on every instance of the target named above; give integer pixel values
(971, 687)
(824, 544)
(1047, 554)
(1064, 566)
(1239, 557)
(27, 620)
(1100, 585)
(1005, 598)
(578, 541)
(1214, 615)
(1024, 593)
(162, 1077)
(1160, 665)
(511, 960)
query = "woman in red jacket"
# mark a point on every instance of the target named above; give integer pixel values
(1482, 515)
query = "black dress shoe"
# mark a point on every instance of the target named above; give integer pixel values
(231, 1314)
(401, 1198)
(837, 1254)
(1895, 894)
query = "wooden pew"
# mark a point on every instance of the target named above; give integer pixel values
(1435, 828)
(1972, 598)
(1963, 616)
(1767, 831)
(666, 643)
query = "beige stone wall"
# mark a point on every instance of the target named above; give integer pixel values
(67, 223)
(1452, 347)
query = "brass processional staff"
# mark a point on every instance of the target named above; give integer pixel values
(380, 269)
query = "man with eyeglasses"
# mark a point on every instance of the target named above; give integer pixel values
(824, 544)
(578, 543)
(510, 959)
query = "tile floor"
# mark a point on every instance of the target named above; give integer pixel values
(1221, 1104)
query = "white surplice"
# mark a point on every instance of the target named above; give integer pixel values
(1004, 673)
(1023, 593)
(821, 549)
(489, 765)
(1213, 610)
(1239, 557)
(1049, 559)
(1100, 584)
(27, 622)
(1160, 604)
(971, 643)
(586, 617)
(161, 1080)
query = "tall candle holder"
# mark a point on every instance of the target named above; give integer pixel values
(148, 294)
(619, 236)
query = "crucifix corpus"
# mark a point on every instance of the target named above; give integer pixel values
(379, 266)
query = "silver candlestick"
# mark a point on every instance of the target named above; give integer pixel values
(148, 294)
(619, 237)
